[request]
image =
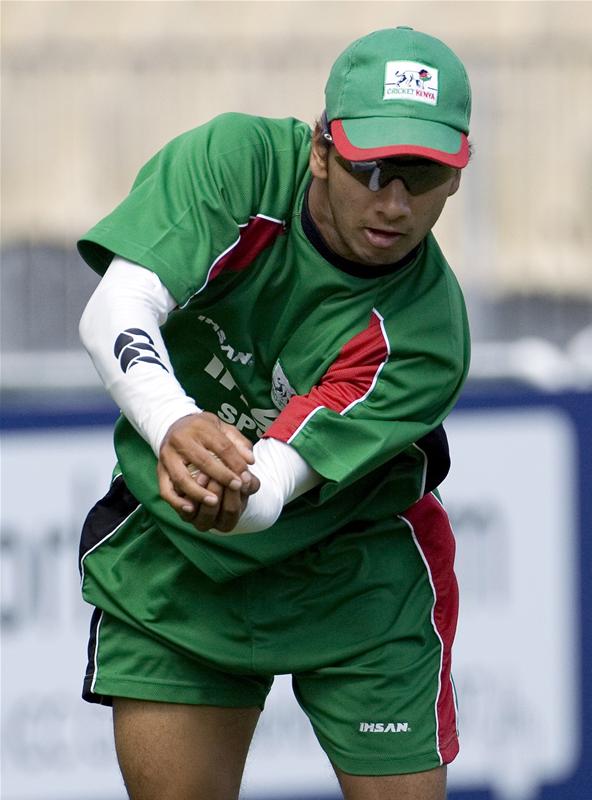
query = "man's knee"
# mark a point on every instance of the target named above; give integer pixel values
(429, 785)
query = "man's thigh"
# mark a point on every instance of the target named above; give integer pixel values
(170, 751)
(430, 785)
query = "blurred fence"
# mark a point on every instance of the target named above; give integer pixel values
(90, 90)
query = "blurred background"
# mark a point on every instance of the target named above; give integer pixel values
(90, 90)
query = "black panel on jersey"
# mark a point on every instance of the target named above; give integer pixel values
(435, 446)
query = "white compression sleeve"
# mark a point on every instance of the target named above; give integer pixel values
(120, 330)
(284, 476)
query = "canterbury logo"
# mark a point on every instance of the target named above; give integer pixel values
(135, 345)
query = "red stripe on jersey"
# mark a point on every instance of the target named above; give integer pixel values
(348, 381)
(434, 538)
(254, 237)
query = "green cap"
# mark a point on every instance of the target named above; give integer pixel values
(399, 92)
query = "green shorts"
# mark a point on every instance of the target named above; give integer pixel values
(363, 621)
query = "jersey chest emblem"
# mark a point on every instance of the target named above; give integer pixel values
(281, 390)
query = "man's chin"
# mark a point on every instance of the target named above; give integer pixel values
(375, 256)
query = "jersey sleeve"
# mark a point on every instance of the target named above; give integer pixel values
(190, 204)
(389, 387)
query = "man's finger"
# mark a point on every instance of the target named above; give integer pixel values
(252, 487)
(230, 510)
(200, 461)
(206, 515)
(197, 475)
(177, 497)
(242, 444)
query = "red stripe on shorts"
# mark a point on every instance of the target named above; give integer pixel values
(254, 237)
(435, 540)
(348, 381)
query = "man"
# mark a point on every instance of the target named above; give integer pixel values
(305, 306)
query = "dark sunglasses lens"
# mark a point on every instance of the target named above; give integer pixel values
(362, 171)
(418, 176)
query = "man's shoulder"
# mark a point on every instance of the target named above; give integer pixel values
(234, 131)
(253, 122)
(442, 288)
(430, 284)
(435, 259)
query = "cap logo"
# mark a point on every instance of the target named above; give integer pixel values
(409, 80)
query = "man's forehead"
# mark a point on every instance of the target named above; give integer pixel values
(406, 161)
(410, 161)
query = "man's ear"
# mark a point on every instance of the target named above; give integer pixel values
(319, 154)
(455, 183)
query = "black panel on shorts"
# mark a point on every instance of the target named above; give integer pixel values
(87, 691)
(105, 516)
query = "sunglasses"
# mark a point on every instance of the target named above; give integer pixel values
(418, 174)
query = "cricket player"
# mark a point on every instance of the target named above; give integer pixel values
(284, 338)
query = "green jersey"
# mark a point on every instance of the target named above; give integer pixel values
(354, 366)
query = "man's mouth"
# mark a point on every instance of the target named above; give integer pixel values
(382, 237)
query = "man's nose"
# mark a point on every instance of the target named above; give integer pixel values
(394, 199)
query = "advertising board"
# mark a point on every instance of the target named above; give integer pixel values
(519, 500)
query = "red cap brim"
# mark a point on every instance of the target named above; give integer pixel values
(347, 150)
